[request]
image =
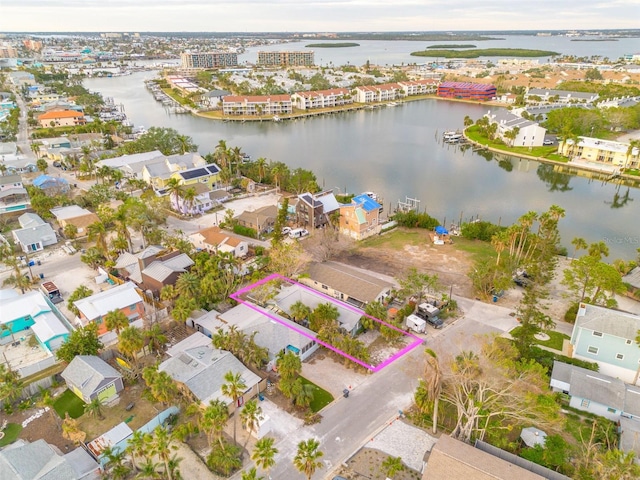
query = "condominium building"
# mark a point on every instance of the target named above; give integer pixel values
(419, 87)
(467, 91)
(285, 59)
(208, 60)
(256, 105)
(378, 93)
(334, 97)
(617, 154)
(8, 51)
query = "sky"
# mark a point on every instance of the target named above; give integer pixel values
(313, 15)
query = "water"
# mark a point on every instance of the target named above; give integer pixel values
(397, 152)
(398, 52)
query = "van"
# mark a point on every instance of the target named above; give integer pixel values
(53, 292)
(298, 233)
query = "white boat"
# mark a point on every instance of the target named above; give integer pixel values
(276, 118)
(450, 134)
(391, 104)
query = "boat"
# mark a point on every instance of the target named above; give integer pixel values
(391, 104)
(453, 138)
(276, 118)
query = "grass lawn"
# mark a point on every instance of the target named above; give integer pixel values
(321, 398)
(397, 239)
(69, 402)
(479, 249)
(10, 434)
(555, 339)
(542, 151)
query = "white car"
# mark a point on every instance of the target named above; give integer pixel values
(286, 230)
(548, 142)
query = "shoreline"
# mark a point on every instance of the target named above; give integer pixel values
(632, 179)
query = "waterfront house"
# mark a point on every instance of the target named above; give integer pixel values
(313, 210)
(131, 165)
(61, 118)
(89, 377)
(215, 240)
(213, 98)
(346, 284)
(607, 337)
(361, 218)
(597, 151)
(158, 170)
(516, 131)
(35, 233)
(122, 297)
(13, 195)
(199, 369)
(378, 93)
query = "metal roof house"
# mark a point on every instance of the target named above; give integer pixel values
(91, 377)
(39, 461)
(51, 185)
(201, 369)
(35, 233)
(607, 337)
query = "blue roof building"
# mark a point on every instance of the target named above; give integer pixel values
(54, 185)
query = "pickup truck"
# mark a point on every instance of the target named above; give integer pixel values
(429, 314)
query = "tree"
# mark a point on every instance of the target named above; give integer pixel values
(289, 365)
(249, 417)
(10, 384)
(234, 388)
(579, 243)
(70, 231)
(160, 384)
(264, 454)
(392, 465)
(323, 314)
(307, 457)
(94, 408)
(82, 341)
(162, 446)
(252, 474)
(98, 231)
(116, 320)
(130, 342)
(175, 191)
(138, 446)
(589, 277)
(213, 420)
(224, 460)
(156, 338)
(79, 293)
(415, 283)
(433, 383)
(21, 282)
(42, 165)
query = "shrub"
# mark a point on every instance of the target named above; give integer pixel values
(572, 311)
(480, 230)
(245, 231)
(414, 219)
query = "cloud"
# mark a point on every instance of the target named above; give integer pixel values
(312, 15)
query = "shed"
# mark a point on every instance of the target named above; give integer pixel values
(91, 377)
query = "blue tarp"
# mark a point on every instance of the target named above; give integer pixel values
(440, 230)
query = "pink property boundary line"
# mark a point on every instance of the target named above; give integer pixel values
(236, 296)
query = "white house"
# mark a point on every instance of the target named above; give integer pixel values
(527, 132)
(214, 240)
(35, 233)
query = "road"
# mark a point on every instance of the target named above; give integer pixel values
(349, 423)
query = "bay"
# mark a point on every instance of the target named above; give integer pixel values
(397, 152)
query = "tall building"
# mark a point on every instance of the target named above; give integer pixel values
(467, 91)
(288, 59)
(209, 60)
(30, 44)
(8, 51)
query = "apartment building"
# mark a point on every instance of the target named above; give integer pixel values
(609, 152)
(419, 87)
(61, 118)
(257, 105)
(334, 97)
(467, 91)
(208, 60)
(8, 51)
(378, 93)
(286, 59)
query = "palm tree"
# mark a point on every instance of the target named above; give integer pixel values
(161, 385)
(156, 338)
(306, 459)
(249, 417)
(47, 400)
(221, 154)
(264, 454)
(97, 231)
(121, 219)
(130, 342)
(632, 151)
(392, 465)
(148, 470)
(115, 463)
(579, 243)
(174, 189)
(21, 282)
(94, 408)
(251, 475)
(433, 376)
(188, 284)
(188, 200)
(299, 311)
(261, 165)
(289, 365)
(138, 446)
(234, 387)
(162, 447)
(213, 420)
(116, 320)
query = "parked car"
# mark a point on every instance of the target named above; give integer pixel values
(286, 230)
(298, 233)
(547, 142)
(57, 164)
